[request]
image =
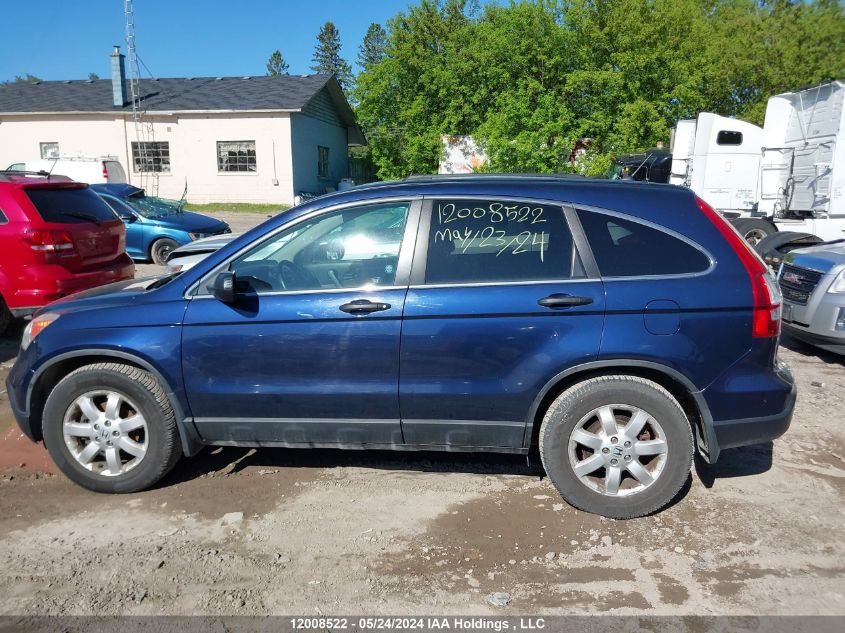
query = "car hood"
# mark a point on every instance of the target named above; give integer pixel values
(823, 258)
(119, 292)
(192, 222)
(204, 245)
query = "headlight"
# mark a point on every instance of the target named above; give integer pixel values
(35, 327)
(838, 285)
(197, 236)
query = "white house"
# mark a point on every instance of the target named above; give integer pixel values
(228, 139)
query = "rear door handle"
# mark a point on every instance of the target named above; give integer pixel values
(364, 306)
(563, 301)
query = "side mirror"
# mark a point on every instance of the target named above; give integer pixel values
(224, 287)
(128, 218)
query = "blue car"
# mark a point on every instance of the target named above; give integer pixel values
(155, 226)
(613, 327)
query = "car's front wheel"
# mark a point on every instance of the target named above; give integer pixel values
(619, 446)
(161, 249)
(110, 428)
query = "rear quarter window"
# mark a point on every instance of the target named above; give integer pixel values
(625, 248)
(70, 206)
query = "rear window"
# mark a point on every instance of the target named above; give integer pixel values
(624, 248)
(70, 206)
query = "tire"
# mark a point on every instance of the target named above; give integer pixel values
(161, 249)
(775, 246)
(5, 316)
(754, 230)
(136, 391)
(576, 408)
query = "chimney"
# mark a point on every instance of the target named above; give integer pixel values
(118, 78)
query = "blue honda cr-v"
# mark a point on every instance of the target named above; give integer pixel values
(616, 327)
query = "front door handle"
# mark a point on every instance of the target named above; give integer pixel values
(364, 306)
(563, 301)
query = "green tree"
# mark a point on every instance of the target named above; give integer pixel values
(373, 47)
(531, 78)
(276, 64)
(327, 59)
(93, 76)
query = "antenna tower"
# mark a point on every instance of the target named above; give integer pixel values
(144, 159)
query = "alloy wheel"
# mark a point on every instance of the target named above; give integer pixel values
(105, 432)
(617, 450)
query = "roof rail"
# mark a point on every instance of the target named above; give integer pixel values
(492, 176)
(21, 172)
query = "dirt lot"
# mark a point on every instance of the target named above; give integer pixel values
(237, 531)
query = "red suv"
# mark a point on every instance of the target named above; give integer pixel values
(57, 237)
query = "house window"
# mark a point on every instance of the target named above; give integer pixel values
(49, 150)
(322, 161)
(151, 156)
(236, 156)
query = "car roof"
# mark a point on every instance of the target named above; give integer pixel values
(35, 179)
(118, 189)
(558, 187)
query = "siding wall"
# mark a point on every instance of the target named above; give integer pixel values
(318, 125)
(193, 150)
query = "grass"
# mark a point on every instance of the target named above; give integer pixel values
(237, 207)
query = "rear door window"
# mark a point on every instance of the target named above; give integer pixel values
(70, 206)
(625, 248)
(478, 241)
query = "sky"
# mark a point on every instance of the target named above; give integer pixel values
(68, 39)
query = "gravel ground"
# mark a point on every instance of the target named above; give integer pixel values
(237, 531)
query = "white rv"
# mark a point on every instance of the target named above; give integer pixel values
(788, 175)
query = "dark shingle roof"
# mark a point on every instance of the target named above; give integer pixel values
(179, 94)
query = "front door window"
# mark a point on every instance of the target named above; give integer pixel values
(353, 248)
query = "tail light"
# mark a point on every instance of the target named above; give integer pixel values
(765, 292)
(51, 244)
(105, 173)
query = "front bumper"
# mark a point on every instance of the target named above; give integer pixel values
(21, 416)
(835, 344)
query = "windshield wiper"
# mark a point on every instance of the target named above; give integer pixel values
(83, 216)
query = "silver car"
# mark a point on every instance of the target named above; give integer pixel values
(187, 256)
(812, 281)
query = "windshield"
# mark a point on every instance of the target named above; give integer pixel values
(153, 207)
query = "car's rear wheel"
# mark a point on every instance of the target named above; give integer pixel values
(161, 249)
(619, 446)
(110, 428)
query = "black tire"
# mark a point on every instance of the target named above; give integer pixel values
(5, 316)
(161, 249)
(754, 230)
(163, 449)
(571, 407)
(775, 246)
